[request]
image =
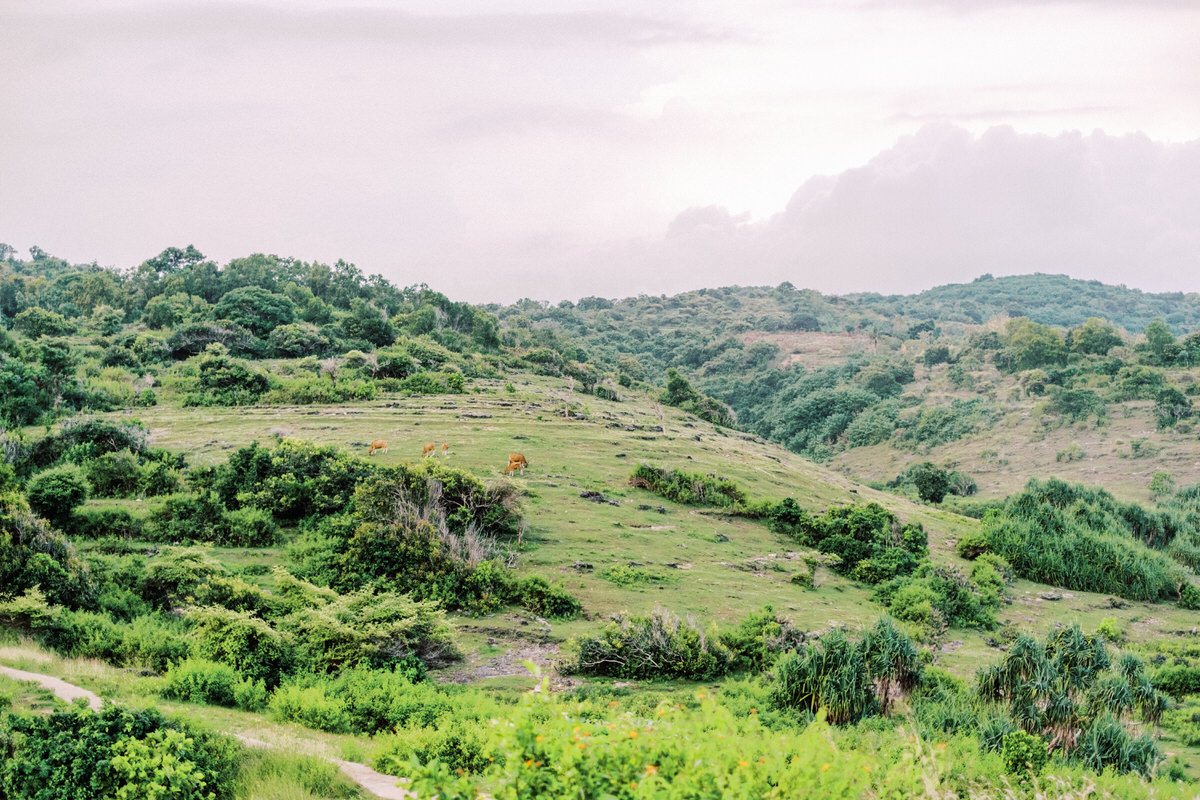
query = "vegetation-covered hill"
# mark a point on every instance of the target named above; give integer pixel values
(272, 493)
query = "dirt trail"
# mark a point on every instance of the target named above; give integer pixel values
(61, 688)
(375, 783)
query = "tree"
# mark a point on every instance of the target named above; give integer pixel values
(1033, 345)
(256, 309)
(932, 482)
(1094, 337)
(36, 322)
(1170, 406)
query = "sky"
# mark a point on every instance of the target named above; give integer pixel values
(501, 149)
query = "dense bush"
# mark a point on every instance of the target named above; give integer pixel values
(870, 543)
(848, 680)
(32, 554)
(1082, 539)
(658, 645)
(78, 754)
(200, 681)
(689, 488)
(56, 492)
(1068, 691)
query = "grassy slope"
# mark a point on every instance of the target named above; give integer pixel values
(726, 567)
(1024, 442)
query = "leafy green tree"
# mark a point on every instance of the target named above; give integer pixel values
(24, 394)
(932, 482)
(1094, 337)
(1033, 345)
(224, 381)
(366, 323)
(255, 309)
(36, 322)
(1171, 406)
(1160, 347)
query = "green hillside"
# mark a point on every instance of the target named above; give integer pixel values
(270, 497)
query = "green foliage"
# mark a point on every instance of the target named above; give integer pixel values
(114, 753)
(459, 746)
(241, 640)
(868, 540)
(689, 488)
(1024, 755)
(1031, 345)
(1171, 406)
(679, 392)
(1067, 690)
(224, 381)
(255, 309)
(32, 554)
(848, 680)
(939, 596)
(760, 639)
(55, 493)
(201, 681)
(658, 645)
(372, 701)
(1094, 337)
(1081, 538)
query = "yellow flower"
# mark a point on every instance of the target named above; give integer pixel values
(825, 767)
(940, 745)
(743, 763)
(576, 729)
(651, 769)
(581, 745)
(529, 762)
(754, 711)
(539, 738)
(613, 704)
(633, 784)
(866, 767)
(633, 734)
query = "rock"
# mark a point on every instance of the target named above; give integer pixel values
(1050, 596)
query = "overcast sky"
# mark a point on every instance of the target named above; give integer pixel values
(507, 148)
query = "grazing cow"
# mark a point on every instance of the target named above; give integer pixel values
(445, 448)
(428, 449)
(516, 463)
(378, 444)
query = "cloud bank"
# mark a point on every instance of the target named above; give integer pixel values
(944, 206)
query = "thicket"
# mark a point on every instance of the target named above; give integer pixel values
(1082, 538)
(691, 488)
(79, 754)
(1068, 691)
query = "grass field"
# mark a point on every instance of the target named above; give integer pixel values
(696, 562)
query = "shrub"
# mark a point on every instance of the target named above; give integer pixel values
(97, 523)
(689, 488)
(201, 681)
(538, 595)
(760, 639)
(659, 645)
(115, 474)
(1024, 755)
(242, 641)
(114, 753)
(458, 745)
(56, 492)
(250, 527)
(849, 680)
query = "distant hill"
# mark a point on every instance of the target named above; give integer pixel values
(1049, 299)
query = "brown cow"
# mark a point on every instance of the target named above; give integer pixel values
(445, 448)
(516, 462)
(378, 444)
(428, 449)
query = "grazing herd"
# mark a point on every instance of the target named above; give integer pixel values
(516, 461)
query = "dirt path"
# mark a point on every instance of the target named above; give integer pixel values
(61, 688)
(375, 783)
